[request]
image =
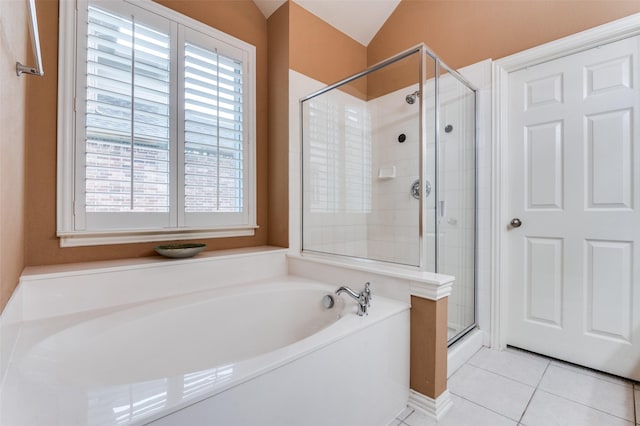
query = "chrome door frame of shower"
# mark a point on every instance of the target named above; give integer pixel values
(423, 50)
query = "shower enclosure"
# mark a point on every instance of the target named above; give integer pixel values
(389, 172)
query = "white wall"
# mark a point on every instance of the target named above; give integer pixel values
(393, 233)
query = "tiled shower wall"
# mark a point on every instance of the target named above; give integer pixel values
(393, 231)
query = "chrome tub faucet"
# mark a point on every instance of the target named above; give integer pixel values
(363, 298)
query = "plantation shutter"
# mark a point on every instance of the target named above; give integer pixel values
(163, 128)
(214, 132)
(127, 126)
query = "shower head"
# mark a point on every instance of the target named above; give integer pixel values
(411, 98)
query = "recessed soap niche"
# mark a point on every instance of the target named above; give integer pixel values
(387, 172)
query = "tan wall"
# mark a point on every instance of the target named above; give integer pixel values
(464, 32)
(300, 41)
(321, 52)
(396, 76)
(240, 18)
(278, 30)
(428, 365)
(14, 42)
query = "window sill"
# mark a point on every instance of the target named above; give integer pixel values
(75, 239)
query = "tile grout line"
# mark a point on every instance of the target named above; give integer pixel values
(506, 377)
(534, 392)
(543, 373)
(579, 369)
(481, 406)
(621, 382)
(551, 362)
(407, 416)
(588, 406)
(593, 376)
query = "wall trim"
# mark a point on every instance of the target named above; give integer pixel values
(427, 285)
(431, 290)
(434, 408)
(54, 290)
(79, 239)
(616, 30)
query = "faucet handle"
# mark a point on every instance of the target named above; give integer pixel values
(367, 292)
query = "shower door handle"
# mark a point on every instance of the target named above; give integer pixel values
(515, 223)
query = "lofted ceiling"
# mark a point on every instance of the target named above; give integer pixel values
(359, 19)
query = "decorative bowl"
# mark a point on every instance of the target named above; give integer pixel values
(180, 251)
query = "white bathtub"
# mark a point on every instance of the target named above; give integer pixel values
(265, 353)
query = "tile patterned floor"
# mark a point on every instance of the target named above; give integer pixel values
(514, 387)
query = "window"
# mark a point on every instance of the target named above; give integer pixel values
(156, 126)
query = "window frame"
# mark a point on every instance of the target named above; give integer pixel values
(70, 204)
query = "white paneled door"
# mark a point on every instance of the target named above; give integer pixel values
(573, 245)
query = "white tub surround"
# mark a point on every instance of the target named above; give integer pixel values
(342, 383)
(225, 338)
(396, 282)
(67, 289)
(50, 291)
(428, 294)
(10, 321)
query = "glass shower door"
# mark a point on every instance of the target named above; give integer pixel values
(361, 154)
(456, 218)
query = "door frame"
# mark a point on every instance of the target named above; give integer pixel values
(585, 40)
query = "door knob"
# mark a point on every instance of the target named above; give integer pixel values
(515, 223)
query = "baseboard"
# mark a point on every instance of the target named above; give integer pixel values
(461, 351)
(434, 408)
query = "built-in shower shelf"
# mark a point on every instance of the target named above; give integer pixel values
(388, 172)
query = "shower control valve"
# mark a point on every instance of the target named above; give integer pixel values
(415, 189)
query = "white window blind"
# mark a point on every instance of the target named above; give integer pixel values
(213, 131)
(160, 135)
(127, 116)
